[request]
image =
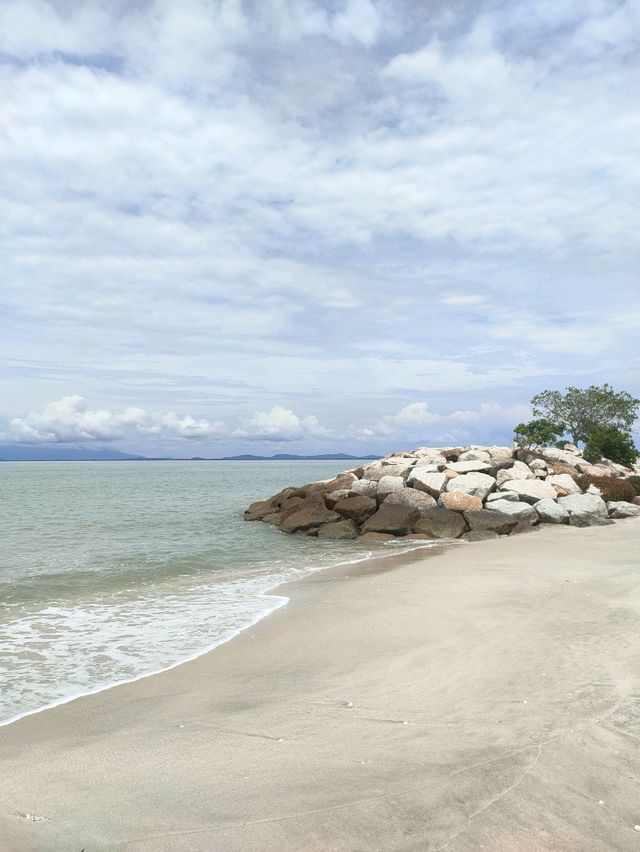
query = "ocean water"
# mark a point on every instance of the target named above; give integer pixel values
(113, 570)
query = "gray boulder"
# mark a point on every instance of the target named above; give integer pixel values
(529, 490)
(338, 531)
(365, 487)
(476, 484)
(410, 497)
(484, 520)
(551, 512)
(585, 510)
(469, 466)
(427, 481)
(393, 519)
(523, 513)
(518, 470)
(503, 495)
(441, 523)
(388, 484)
(622, 509)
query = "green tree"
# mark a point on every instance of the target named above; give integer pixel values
(537, 433)
(583, 410)
(610, 443)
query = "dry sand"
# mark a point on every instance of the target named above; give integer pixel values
(484, 698)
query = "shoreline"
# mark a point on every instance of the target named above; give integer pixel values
(270, 593)
(483, 698)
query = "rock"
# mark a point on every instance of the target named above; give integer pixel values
(338, 531)
(386, 467)
(429, 455)
(499, 452)
(397, 520)
(410, 497)
(474, 455)
(564, 481)
(499, 464)
(290, 505)
(388, 484)
(374, 536)
(429, 482)
(335, 496)
(476, 484)
(540, 474)
(450, 474)
(503, 495)
(585, 509)
(469, 466)
(593, 489)
(561, 492)
(623, 509)
(551, 512)
(552, 454)
(418, 537)
(458, 501)
(484, 520)
(529, 490)
(480, 535)
(538, 464)
(441, 523)
(365, 487)
(275, 519)
(523, 513)
(259, 509)
(311, 513)
(518, 470)
(594, 469)
(356, 508)
(571, 448)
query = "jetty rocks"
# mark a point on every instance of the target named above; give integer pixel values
(472, 493)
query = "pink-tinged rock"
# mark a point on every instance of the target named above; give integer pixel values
(458, 501)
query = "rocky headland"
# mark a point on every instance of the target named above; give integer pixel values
(472, 493)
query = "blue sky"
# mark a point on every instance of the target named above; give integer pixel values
(313, 226)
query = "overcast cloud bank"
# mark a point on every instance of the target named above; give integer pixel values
(370, 222)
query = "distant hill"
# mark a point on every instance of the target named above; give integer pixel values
(25, 452)
(289, 457)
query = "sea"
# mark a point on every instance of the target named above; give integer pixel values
(111, 571)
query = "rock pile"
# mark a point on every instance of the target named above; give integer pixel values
(450, 492)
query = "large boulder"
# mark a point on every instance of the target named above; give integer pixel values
(427, 481)
(551, 512)
(529, 490)
(410, 497)
(458, 501)
(469, 466)
(387, 467)
(311, 513)
(356, 508)
(365, 487)
(623, 509)
(476, 484)
(474, 455)
(290, 505)
(338, 531)
(389, 484)
(336, 496)
(585, 510)
(484, 520)
(523, 513)
(441, 523)
(518, 470)
(258, 510)
(564, 481)
(393, 519)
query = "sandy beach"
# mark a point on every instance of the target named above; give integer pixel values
(485, 696)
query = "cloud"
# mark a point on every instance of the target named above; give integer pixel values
(280, 424)
(70, 420)
(216, 207)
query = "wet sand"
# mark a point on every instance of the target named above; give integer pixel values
(487, 697)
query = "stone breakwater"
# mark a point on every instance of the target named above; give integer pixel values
(472, 493)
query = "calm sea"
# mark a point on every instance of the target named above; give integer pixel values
(113, 570)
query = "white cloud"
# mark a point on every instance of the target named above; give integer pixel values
(70, 420)
(280, 424)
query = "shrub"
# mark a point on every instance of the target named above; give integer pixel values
(611, 487)
(537, 433)
(635, 481)
(610, 443)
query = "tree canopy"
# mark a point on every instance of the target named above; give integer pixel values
(584, 410)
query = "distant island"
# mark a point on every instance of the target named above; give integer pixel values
(17, 452)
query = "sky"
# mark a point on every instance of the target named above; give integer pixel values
(305, 226)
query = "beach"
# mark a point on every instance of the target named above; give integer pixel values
(478, 696)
